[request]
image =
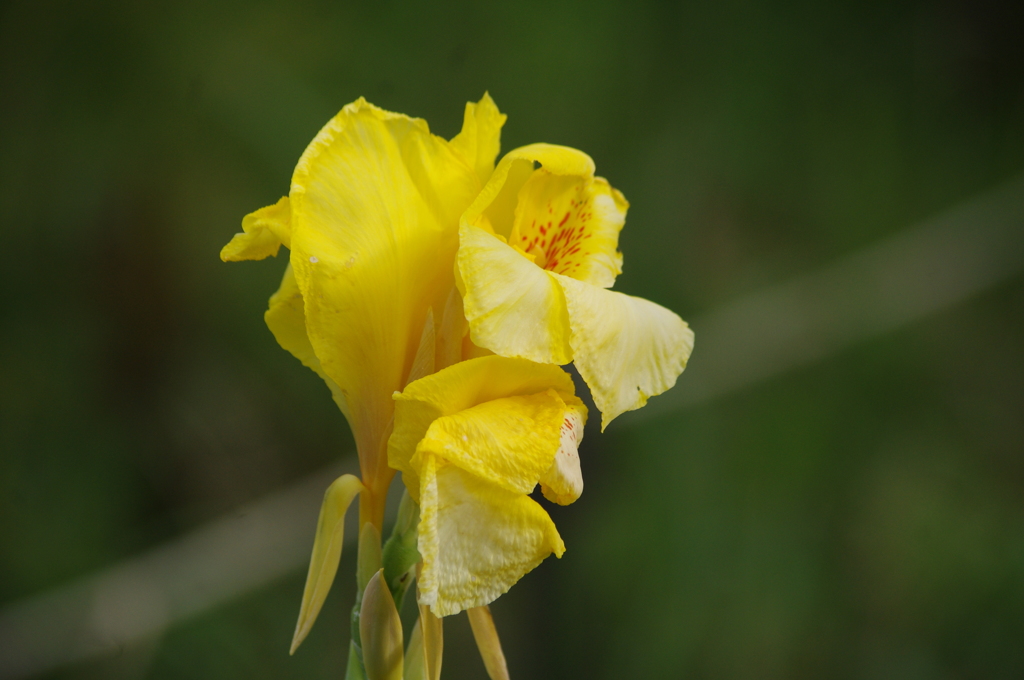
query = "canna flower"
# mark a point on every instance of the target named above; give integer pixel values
(437, 296)
(372, 224)
(538, 250)
(472, 442)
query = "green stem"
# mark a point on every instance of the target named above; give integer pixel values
(368, 563)
(400, 554)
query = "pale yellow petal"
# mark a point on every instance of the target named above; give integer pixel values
(262, 234)
(425, 649)
(514, 308)
(570, 225)
(323, 565)
(476, 538)
(433, 642)
(376, 201)
(626, 348)
(415, 664)
(509, 442)
(462, 386)
(480, 139)
(487, 641)
(562, 483)
(286, 319)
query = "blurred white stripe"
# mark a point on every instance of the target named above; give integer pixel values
(873, 291)
(138, 599)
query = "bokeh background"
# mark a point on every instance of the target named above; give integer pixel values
(858, 517)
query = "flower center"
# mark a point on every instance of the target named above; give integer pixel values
(569, 225)
(558, 236)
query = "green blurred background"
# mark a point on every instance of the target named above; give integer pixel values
(862, 517)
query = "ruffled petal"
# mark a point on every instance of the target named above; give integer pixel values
(626, 348)
(513, 307)
(262, 234)
(459, 387)
(476, 538)
(376, 201)
(509, 442)
(480, 139)
(562, 483)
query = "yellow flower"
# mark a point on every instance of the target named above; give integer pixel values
(437, 295)
(472, 442)
(538, 249)
(372, 224)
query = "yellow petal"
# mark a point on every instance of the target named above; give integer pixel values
(323, 565)
(476, 538)
(376, 201)
(494, 207)
(263, 232)
(287, 321)
(423, 363)
(565, 220)
(626, 348)
(509, 442)
(480, 138)
(486, 636)
(453, 329)
(426, 644)
(433, 642)
(570, 225)
(415, 665)
(514, 308)
(380, 630)
(462, 386)
(562, 483)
